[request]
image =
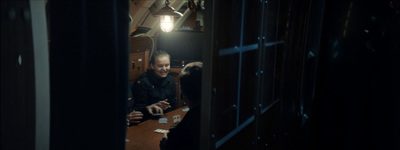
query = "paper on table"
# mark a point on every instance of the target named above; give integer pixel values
(163, 120)
(176, 118)
(161, 131)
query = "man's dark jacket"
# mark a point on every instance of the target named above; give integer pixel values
(149, 89)
(186, 135)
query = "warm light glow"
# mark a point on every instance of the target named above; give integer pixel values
(167, 23)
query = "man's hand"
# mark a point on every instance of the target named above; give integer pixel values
(154, 109)
(135, 117)
(163, 104)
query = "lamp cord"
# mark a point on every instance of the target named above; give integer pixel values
(152, 47)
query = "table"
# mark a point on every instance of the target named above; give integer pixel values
(142, 135)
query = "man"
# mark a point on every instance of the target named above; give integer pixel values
(154, 90)
(186, 134)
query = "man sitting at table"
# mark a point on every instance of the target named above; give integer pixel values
(186, 134)
(154, 91)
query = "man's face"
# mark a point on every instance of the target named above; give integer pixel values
(161, 66)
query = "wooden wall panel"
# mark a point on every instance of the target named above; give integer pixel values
(138, 64)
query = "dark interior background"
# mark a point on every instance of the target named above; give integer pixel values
(184, 46)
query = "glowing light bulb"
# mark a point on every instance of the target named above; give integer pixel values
(167, 23)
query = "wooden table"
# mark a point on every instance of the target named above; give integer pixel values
(142, 135)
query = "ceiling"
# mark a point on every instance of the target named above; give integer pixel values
(141, 12)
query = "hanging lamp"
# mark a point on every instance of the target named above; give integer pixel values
(167, 15)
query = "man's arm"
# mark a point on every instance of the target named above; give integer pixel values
(140, 97)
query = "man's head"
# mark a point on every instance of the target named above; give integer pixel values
(190, 81)
(160, 63)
